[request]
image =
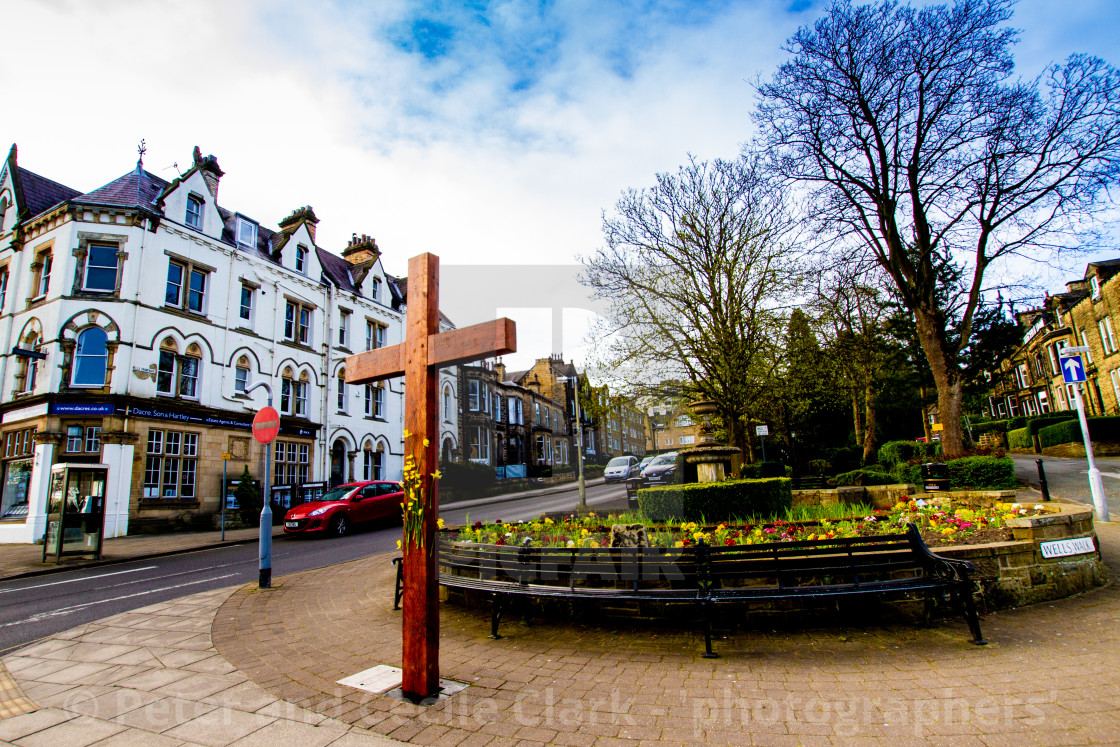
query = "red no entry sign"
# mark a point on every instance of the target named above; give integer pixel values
(266, 424)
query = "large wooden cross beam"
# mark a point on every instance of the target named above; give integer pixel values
(419, 358)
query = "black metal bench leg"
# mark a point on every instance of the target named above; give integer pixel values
(708, 653)
(399, 590)
(970, 616)
(496, 615)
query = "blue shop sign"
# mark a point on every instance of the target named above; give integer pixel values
(80, 408)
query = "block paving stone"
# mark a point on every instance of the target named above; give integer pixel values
(251, 667)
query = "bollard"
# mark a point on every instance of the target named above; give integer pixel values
(1042, 481)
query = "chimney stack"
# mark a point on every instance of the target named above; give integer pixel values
(210, 170)
(361, 249)
(305, 215)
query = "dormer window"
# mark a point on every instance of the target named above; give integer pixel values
(194, 212)
(246, 233)
(375, 289)
(301, 259)
(1095, 285)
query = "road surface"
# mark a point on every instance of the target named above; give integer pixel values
(1068, 479)
(32, 608)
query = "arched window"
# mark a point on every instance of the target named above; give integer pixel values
(91, 358)
(241, 375)
(178, 375)
(342, 390)
(447, 404)
(31, 364)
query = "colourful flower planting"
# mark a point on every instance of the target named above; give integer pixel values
(938, 521)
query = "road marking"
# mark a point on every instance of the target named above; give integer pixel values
(67, 610)
(73, 580)
(1107, 474)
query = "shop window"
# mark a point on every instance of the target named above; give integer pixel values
(19, 443)
(171, 468)
(292, 461)
(91, 358)
(83, 439)
(17, 481)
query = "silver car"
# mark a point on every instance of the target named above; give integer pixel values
(620, 468)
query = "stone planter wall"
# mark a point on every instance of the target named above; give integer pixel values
(1011, 574)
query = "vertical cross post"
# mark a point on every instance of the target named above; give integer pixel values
(420, 634)
(419, 358)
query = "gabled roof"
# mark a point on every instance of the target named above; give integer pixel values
(337, 270)
(40, 193)
(137, 188)
(1105, 268)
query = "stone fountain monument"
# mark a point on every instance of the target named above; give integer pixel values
(708, 461)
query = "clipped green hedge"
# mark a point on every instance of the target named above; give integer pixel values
(1020, 438)
(717, 501)
(1034, 425)
(989, 426)
(1017, 422)
(866, 476)
(1100, 429)
(466, 477)
(987, 472)
(755, 470)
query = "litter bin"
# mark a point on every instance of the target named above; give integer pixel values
(935, 476)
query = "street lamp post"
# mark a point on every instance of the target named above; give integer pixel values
(264, 580)
(579, 438)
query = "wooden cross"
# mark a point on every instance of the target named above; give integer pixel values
(421, 355)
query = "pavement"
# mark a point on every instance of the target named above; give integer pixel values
(243, 666)
(20, 561)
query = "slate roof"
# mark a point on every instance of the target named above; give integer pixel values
(337, 270)
(137, 188)
(40, 193)
(1106, 268)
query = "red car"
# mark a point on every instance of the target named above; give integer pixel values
(348, 504)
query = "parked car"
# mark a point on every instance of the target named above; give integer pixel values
(645, 460)
(660, 470)
(339, 508)
(620, 468)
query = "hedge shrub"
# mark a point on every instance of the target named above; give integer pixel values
(866, 476)
(930, 450)
(987, 472)
(717, 501)
(1020, 438)
(1069, 431)
(904, 474)
(1034, 425)
(989, 426)
(1019, 421)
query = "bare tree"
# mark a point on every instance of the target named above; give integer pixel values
(916, 141)
(850, 306)
(696, 269)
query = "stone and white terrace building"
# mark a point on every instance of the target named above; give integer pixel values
(132, 318)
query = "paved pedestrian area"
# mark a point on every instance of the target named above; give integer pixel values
(247, 666)
(150, 677)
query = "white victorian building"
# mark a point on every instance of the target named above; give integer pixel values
(132, 319)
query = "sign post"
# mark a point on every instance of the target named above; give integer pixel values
(762, 431)
(225, 491)
(1073, 371)
(266, 424)
(421, 355)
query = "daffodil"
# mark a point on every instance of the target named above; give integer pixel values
(439, 523)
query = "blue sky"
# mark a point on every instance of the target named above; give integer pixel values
(487, 132)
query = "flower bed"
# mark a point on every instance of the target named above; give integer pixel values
(940, 522)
